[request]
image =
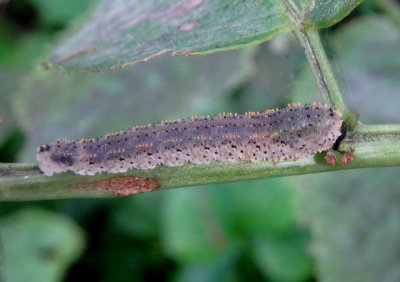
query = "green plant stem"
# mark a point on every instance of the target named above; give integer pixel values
(322, 69)
(309, 37)
(391, 8)
(378, 129)
(25, 182)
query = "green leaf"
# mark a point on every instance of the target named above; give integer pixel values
(284, 260)
(220, 223)
(39, 245)
(121, 33)
(354, 220)
(263, 208)
(52, 106)
(139, 216)
(325, 13)
(192, 231)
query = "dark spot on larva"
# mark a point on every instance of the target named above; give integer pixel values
(44, 148)
(63, 159)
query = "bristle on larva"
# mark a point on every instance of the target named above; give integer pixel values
(287, 133)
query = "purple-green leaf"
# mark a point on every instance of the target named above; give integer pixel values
(122, 33)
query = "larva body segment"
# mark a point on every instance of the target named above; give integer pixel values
(287, 133)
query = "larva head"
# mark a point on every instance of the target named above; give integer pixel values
(56, 158)
(309, 128)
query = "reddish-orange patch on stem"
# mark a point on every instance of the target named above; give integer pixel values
(347, 158)
(330, 158)
(121, 186)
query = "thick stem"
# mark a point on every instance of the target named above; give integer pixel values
(25, 182)
(378, 129)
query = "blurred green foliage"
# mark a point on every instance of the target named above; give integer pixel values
(367, 63)
(354, 223)
(38, 245)
(237, 232)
